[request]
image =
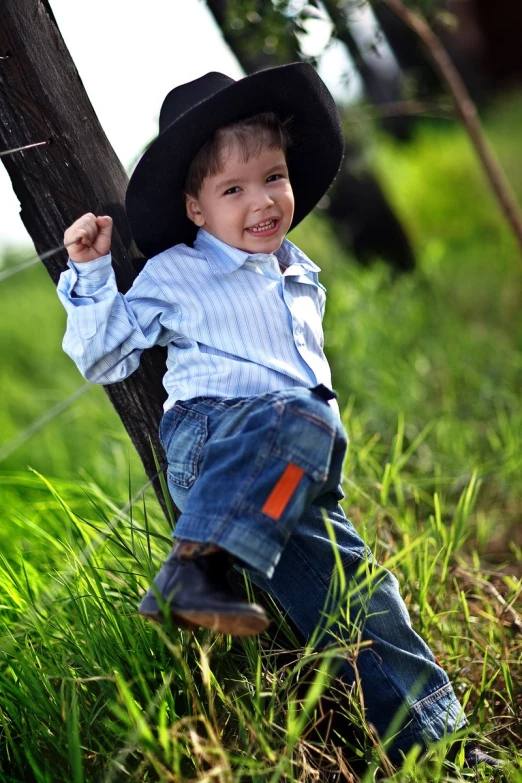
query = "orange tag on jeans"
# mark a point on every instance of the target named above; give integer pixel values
(281, 494)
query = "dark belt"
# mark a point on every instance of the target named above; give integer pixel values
(324, 392)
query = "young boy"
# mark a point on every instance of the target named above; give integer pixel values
(251, 429)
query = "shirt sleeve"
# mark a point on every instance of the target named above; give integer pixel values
(107, 331)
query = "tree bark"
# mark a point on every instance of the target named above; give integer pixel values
(42, 99)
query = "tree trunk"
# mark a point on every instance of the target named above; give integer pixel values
(42, 99)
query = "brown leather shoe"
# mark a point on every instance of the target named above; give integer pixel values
(197, 593)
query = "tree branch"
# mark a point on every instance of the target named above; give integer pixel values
(467, 111)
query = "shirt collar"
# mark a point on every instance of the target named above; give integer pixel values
(223, 258)
(289, 254)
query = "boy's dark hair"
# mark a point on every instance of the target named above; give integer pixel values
(251, 135)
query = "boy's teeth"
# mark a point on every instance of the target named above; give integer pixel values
(262, 226)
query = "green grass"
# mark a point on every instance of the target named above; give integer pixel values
(428, 371)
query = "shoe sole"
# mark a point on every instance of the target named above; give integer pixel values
(232, 624)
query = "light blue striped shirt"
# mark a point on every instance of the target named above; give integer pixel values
(234, 324)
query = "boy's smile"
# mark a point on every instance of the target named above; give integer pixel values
(249, 204)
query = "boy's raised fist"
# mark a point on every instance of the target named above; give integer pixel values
(92, 235)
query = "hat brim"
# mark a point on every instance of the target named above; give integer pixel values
(154, 200)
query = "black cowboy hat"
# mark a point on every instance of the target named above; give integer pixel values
(192, 112)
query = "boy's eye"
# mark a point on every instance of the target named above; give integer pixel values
(274, 177)
(235, 189)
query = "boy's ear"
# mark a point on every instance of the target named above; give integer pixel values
(194, 212)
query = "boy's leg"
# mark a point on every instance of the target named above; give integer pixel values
(397, 671)
(242, 472)
(246, 476)
(255, 466)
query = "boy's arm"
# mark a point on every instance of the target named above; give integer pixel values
(106, 330)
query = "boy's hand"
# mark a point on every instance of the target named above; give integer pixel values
(93, 235)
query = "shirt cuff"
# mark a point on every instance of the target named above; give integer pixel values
(92, 270)
(87, 279)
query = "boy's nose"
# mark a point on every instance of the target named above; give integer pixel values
(262, 200)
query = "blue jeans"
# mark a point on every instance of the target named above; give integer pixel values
(257, 476)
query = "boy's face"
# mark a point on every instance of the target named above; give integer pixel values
(249, 205)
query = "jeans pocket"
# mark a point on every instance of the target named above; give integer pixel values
(183, 433)
(307, 441)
